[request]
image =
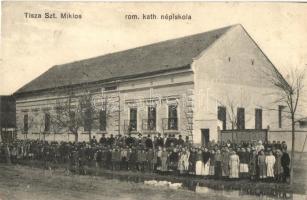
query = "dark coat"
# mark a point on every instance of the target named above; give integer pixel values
(148, 143)
(159, 142)
(206, 156)
(129, 141)
(285, 161)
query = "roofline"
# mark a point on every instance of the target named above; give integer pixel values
(150, 44)
(122, 78)
(18, 92)
(275, 69)
(202, 53)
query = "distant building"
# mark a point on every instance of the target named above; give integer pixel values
(7, 118)
(196, 86)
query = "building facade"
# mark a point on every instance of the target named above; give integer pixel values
(7, 118)
(195, 86)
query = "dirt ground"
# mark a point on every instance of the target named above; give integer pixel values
(26, 183)
(20, 182)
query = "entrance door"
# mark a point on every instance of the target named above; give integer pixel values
(205, 136)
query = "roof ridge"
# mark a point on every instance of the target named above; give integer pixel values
(151, 58)
(151, 44)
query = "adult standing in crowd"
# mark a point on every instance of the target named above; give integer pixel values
(164, 160)
(206, 160)
(159, 141)
(234, 164)
(183, 164)
(252, 167)
(270, 162)
(244, 160)
(278, 169)
(218, 164)
(212, 163)
(129, 140)
(262, 165)
(285, 162)
(192, 160)
(199, 166)
(148, 142)
(225, 162)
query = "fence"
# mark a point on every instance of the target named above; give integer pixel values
(244, 135)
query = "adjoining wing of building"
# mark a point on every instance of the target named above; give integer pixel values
(199, 86)
(7, 118)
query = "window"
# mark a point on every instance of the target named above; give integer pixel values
(103, 120)
(47, 122)
(87, 119)
(303, 124)
(240, 118)
(172, 117)
(258, 118)
(151, 124)
(280, 110)
(133, 119)
(221, 115)
(25, 123)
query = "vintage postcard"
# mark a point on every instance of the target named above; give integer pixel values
(155, 100)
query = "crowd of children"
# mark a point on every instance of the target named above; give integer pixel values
(159, 154)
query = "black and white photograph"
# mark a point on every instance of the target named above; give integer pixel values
(153, 100)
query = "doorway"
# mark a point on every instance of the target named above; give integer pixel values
(205, 136)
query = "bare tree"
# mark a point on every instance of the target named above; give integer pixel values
(69, 114)
(231, 113)
(89, 112)
(231, 106)
(41, 127)
(289, 94)
(82, 109)
(108, 104)
(55, 127)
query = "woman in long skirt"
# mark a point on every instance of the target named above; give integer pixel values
(199, 167)
(183, 164)
(164, 160)
(225, 163)
(206, 160)
(217, 164)
(159, 158)
(234, 163)
(262, 165)
(244, 160)
(252, 166)
(186, 160)
(270, 162)
(192, 161)
(212, 163)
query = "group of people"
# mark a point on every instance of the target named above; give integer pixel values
(160, 154)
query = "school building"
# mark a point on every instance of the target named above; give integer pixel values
(202, 86)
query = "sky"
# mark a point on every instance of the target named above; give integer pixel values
(29, 47)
